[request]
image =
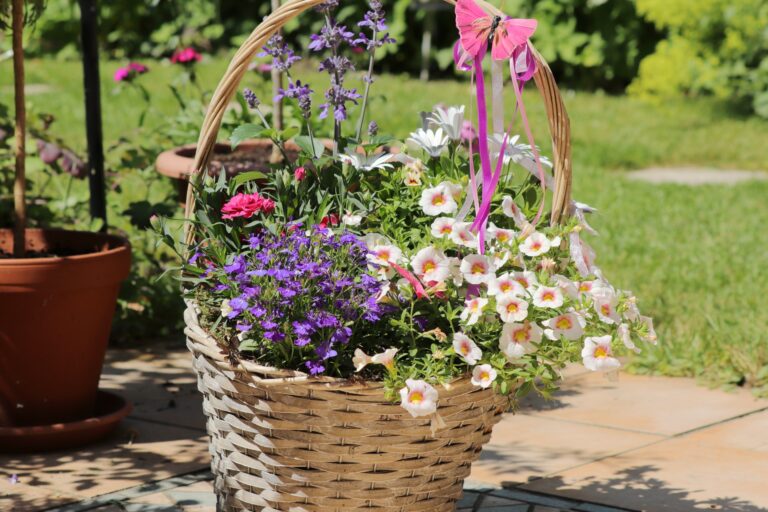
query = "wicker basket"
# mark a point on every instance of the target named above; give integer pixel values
(282, 441)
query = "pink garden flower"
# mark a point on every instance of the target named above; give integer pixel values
(186, 56)
(246, 205)
(131, 71)
(299, 174)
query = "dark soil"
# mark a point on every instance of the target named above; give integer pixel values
(57, 253)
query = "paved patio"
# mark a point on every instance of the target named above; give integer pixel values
(639, 443)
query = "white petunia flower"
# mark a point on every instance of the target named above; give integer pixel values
(547, 297)
(351, 219)
(568, 287)
(442, 226)
(626, 338)
(502, 236)
(597, 354)
(361, 360)
(605, 302)
(226, 309)
(500, 258)
(582, 254)
(651, 337)
(518, 152)
(363, 162)
(451, 120)
(461, 235)
(386, 358)
(454, 264)
(517, 339)
(476, 269)
(431, 265)
(632, 313)
(511, 308)
(473, 308)
(466, 348)
(505, 283)
(453, 189)
(483, 375)
(418, 398)
(568, 325)
(535, 244)
(510, 209)
(412, 179)
(384, 255)
(437, 200)
(585, 287)
(433, 142)
(526, 278)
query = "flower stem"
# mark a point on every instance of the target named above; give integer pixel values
(367, 86)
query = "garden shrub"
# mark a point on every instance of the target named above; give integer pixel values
(716, 47)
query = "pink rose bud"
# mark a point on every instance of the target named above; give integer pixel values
(299, 174)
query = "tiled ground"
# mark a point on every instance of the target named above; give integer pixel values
(640, 443)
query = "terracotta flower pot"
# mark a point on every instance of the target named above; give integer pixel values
(251, 155)
(55, 318)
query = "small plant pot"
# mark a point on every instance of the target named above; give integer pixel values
(251, 155)
(56, 308)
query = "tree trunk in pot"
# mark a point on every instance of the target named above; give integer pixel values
(19, 186)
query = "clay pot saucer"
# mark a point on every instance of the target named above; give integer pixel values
(110, 410)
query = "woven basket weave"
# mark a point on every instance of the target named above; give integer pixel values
(282, 441)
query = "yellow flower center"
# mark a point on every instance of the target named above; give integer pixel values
(446, 229)
(485, 375)
(438, 200)
(523, 281)
(465, 349)
(384, 254)
(478, 268)
(605, 309)
(416, 398)
(535, 246)
(512, 307)
(585, 287)
(502, 237)
(601, 352)
(429, 266)
(548, 296)
(563, 323)
(520, 335)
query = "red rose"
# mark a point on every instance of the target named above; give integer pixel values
(246, 205)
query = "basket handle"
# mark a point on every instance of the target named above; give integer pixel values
(559, 124)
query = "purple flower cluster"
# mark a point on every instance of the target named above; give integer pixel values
(298, 295)
(301, 93)
(376, 21)
(282, 55)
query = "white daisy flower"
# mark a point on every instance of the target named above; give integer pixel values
(476, 269)
(442, 226)
(461, 235)
(517, 339)
(505, 283)
(418, 398)
(437, 200)
(568, 325)
(511, 308)
(466, 348)
(547, 297)
(431, 265)
(535, 244)
(483, 375)
(597, 354)
(363, 162)
(433, 142)
(473, 308)
(450, 120)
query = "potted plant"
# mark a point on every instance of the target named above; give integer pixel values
(58, 291)
(359, 320)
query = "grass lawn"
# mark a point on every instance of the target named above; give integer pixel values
(695, 256)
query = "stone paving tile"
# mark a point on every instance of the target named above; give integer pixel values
(724, 467)
(656, 405)
(525, 446)
(161, 385)
(137, 453)
(27, 498)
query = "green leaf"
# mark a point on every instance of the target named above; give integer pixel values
(248, 345)
(310, 146)
(245, 177)
(289, 132)
(244, 132)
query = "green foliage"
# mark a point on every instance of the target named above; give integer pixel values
(33, 9)
(716, 47)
